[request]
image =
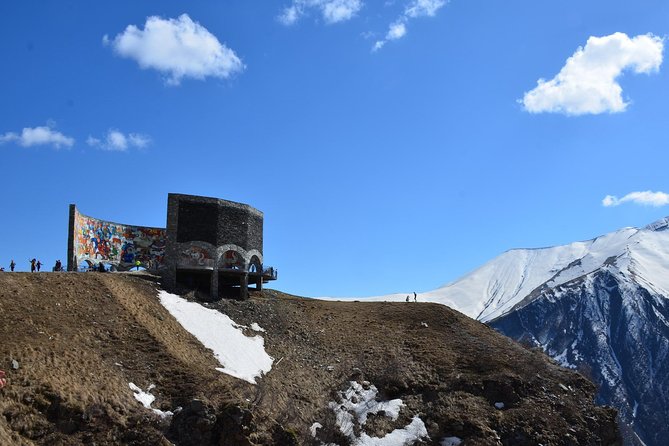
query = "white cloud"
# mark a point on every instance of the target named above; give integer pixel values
(340, 10)
(139, 141)
(420, 8)
(587, 84)
(414, 9)
(332, 11)
(179, 48)
(38, 136)
(396, 31)
(118, 141)
(290, 15)
(647, 198)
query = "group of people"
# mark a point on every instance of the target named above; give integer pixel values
(415, 297)
(35, 265)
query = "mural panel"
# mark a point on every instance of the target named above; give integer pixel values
(233, 260)
(195, 257)
(121, 245)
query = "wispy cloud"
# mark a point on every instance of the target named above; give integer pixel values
(178, 48)
(332, 11)
(116, 140)
(413, 10)
(587, 84)
(38, 136)
(646, 198)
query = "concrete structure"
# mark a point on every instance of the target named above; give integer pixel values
(214, 245)
(211, 245)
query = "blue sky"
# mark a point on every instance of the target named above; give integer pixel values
(388, 143)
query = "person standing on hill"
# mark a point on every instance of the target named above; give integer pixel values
(415, 297)
(32, 265)
(39, 265)
(12, 265)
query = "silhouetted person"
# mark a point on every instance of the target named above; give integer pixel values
(12, 265)
(32, 265)
(407, 298)
(415, 297)
(39, 265)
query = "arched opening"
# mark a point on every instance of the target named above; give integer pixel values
(255, 266)
(255, 272)
(232, 260)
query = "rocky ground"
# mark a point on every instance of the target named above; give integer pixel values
(70, 344)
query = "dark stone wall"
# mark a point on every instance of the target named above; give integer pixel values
(215, 221)
(192, 220)
(239, 226)
(197, 222)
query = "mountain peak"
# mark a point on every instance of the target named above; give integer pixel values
(659, 225)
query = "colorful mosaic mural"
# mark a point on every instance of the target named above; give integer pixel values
(121, 245)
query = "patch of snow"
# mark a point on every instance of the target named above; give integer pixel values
(357, 402)
(241, 356)
(408, 435)
(256, 327)
(499, 405)
(450, 441)
(146, 398)
(314, 428)
(143, 397)
(562, 359)
(361, 403)
(163, 414)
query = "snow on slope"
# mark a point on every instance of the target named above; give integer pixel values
(241, 356)
(498, 286)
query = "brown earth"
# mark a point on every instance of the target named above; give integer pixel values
(80, 339)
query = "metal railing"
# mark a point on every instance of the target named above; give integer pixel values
(270, 273)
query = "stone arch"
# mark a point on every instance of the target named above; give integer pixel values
(232, 258)
(255, 265)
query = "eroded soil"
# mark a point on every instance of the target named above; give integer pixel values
(80, 339)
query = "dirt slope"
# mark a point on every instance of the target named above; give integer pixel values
(80, 339)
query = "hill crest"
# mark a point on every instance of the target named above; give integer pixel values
(81, 338)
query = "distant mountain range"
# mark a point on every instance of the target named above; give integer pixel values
(600, 306)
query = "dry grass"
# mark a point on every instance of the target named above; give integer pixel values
(80, 339)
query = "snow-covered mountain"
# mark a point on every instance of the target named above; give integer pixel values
(600, 306)
(507, 281)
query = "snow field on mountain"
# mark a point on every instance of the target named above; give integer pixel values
(241, 356)
(498, 286)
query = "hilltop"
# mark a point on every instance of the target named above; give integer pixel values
(600, 306)
(72, 344)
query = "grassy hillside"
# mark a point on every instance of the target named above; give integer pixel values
(80, 339)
